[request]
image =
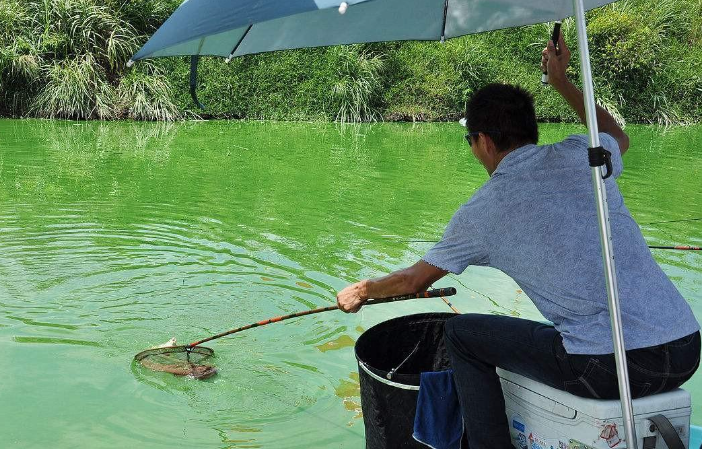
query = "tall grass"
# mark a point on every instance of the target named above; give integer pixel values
(357, 88)
(75, 89)
(144, 94)
(65, 59)
(646, 57)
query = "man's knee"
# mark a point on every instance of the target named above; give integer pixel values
(456, 328)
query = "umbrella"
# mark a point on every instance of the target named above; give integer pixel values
(231, 28)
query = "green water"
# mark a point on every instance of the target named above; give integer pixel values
(117, 236)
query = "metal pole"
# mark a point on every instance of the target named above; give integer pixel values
(605, 232)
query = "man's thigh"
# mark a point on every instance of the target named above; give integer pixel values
(525, 347)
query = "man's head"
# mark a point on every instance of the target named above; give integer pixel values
(500, 118)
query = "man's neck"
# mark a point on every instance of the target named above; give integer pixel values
(502, 154)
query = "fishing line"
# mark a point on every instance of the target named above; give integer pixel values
(672, 247)
(672, 221)
(448, 303)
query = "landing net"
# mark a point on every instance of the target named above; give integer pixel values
(178, 360)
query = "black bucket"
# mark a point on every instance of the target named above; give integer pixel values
(391, 356)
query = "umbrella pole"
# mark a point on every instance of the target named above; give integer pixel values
(605, 232)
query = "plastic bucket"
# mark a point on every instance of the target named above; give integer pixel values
(391, 356)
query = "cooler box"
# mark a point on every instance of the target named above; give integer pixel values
(541, 417)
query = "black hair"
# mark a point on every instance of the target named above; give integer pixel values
(505, 113)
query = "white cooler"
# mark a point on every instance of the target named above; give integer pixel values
(541, 417)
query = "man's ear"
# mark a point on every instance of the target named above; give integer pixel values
(490, 146)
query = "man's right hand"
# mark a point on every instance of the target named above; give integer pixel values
(556, 63)
(351, 298)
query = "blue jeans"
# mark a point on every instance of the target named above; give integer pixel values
(477, 344)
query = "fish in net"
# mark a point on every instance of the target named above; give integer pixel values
(178, 360)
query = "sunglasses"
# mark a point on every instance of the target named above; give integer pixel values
(469, 136)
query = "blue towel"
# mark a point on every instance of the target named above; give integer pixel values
(438, 422)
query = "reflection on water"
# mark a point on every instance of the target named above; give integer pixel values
(115, 237)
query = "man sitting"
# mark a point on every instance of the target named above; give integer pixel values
(535, 220)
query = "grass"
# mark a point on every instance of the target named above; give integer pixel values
(357, 88)
(646, 58)
(75, 89)
(66, 59)
(145, 94)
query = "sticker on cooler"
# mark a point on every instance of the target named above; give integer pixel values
(610, 435)
(520, 440)
(536, 442)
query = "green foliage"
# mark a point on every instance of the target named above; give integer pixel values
(65, 58)
(83, 27)
(646, 58)
(144, 94)
(144, 15)
(643, 52)
(357, 89)
(13, 18)
(75, 89)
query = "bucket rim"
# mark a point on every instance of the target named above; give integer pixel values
(390, 383)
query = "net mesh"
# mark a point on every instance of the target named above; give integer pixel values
(178, 360)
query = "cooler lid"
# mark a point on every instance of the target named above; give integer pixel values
(543, 396)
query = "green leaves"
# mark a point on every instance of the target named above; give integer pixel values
(646, 57)
(357, 86)
(65, 58)
(75, 89)
(144, 94)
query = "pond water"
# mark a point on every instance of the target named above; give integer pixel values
(118, 236)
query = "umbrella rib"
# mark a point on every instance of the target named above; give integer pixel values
(443, 25)
(241, 39)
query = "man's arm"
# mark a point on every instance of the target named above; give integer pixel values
(414, 279)
(556, 65)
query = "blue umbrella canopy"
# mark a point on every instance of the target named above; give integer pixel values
(231, 28)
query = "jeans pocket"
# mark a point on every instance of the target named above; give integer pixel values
(599, 381)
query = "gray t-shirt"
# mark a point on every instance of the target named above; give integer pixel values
(535, 220)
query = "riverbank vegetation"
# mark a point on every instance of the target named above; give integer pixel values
(66, 59)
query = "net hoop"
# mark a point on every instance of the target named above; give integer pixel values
(192, 366)
(203, 351)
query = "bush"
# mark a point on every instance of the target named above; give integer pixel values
(75, 89)
(646, 58)
(357, 87)
(145, 94)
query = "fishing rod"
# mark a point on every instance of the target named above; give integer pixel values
(187, 360)
(435, 293)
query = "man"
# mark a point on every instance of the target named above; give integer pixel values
(535, 220)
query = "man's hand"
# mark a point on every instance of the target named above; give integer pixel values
(414, 279)
(351, 298)
(556, 63)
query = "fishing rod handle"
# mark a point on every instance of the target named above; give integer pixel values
(679, 247)
(554, 37)
(435, 293)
